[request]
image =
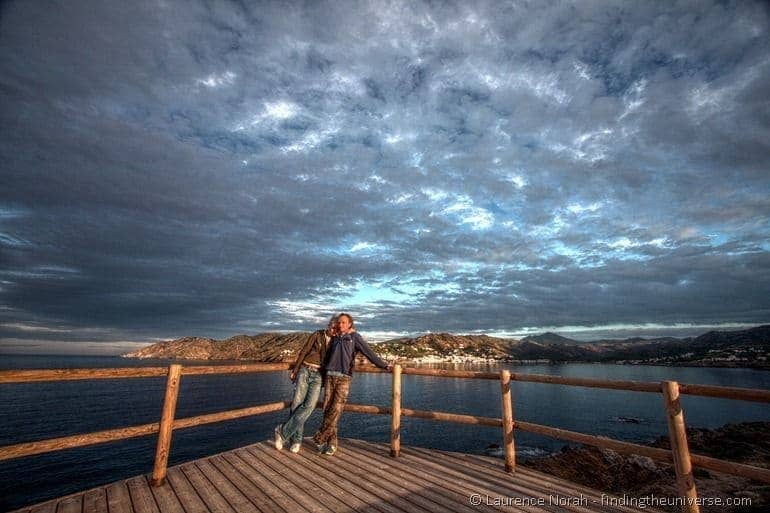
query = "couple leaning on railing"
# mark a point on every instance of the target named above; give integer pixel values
(327, 359)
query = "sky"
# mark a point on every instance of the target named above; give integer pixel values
(210, 168)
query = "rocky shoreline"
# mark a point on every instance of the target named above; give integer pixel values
(639, 476)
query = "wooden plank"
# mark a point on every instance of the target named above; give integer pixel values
(452, 417)
(730, 467)
(67, 442)
(234, 497)
(450, 373)
(357, 481)
(46, 507)
(496, 478)
(230, 414)
(166, 425)
(450, 492)
(118, 498)
(185, 492)
(39, 375)
(414, 493)
(424, 414)
(455, 487)
(529, 478)
(234, 369)
(335, 484)
(258, 497)
(73, 504)
(677, 434)
(166, 499)
(311, 496)
(95, 501)
(597, 441)
(262, 480)
(208, 493)
(395, 418)
(744, 394)
(507, 421)
(497, 484)
(141, 496)
(634, 386)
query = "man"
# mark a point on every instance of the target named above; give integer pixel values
(339, 363)
(306, 374)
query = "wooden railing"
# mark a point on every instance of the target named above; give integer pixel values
(670, 391)
(167, 422)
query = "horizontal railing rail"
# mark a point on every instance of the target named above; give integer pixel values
(113, 435)
(41, 375)
(679, 454)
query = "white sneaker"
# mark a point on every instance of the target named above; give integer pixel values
(278, 437)
(295, 447)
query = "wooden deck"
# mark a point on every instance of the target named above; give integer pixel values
(361, 477)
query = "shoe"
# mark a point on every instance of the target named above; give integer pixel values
(278, 437)
(330, 450)
(295, 447)
(321, 448)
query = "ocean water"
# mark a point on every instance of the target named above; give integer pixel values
(36, 411)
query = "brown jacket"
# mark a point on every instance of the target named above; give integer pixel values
(313, 352)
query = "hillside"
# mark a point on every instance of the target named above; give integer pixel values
(265, 347)
(744, 348)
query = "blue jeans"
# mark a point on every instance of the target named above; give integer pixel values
(306, 395)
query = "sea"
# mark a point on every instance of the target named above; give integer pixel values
(37, 411)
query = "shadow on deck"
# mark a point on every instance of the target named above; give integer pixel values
(361, 477)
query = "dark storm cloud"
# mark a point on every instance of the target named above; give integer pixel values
(213, 168)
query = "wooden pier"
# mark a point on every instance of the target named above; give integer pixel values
(360, 477)
(363, 476)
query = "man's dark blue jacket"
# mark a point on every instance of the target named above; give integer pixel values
(341, 354)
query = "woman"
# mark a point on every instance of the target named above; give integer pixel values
(306, 374)
(338, 368)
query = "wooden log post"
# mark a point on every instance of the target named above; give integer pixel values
(166, 425)
(507, 420)
(680, 451)
(395, 416)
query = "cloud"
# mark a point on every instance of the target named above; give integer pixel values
(210, 169)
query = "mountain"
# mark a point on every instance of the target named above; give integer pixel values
(265, 347)
(549, 338)
(744, 348)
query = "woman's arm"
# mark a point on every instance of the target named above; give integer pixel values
(303, 352)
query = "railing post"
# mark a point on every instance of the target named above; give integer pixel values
(395, 418)
(166, 425)
(508, 446)
(678, 435)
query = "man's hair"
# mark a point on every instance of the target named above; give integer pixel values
(350, 318)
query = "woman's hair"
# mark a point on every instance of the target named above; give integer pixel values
(350, 318)
(332, 323)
